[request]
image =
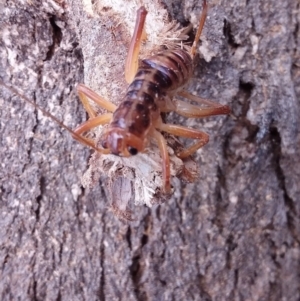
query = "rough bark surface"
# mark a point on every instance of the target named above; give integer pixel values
(232, 235)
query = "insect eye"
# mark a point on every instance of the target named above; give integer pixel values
(133, 151)
(104, 144)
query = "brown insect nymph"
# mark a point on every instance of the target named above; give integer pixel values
(153, 84)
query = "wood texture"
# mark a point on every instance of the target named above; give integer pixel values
(232, 235)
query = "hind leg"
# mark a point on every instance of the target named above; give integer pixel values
(199, 30)
(132, 60)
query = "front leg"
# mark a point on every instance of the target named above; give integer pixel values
(85, 93)
(162, 144)
(88, 125)
(181, 131)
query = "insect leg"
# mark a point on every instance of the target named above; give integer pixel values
(162, 144)
(88, 142)
(86, 93)
(90, 124)
(181, 131)
(188, 110)
(132, 60)
(199, 30)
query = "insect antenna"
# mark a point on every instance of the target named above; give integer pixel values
(47, 114)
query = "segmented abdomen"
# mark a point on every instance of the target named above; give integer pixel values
(172, 68)
(157, 75)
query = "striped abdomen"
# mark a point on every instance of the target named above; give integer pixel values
(156, 76)
(172, 68)
(140, 108)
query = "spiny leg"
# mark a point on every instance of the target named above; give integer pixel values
(86, 93)
(132, 60)
(181, 131)
(165, 158)
(199, 30)
(90, 124)
(188, 110)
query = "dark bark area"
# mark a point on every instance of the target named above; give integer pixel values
(232, 235)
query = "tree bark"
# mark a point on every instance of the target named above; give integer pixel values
(232, 235)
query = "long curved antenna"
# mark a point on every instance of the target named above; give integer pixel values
(78, 137)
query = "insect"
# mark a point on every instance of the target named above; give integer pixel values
(153, 84)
